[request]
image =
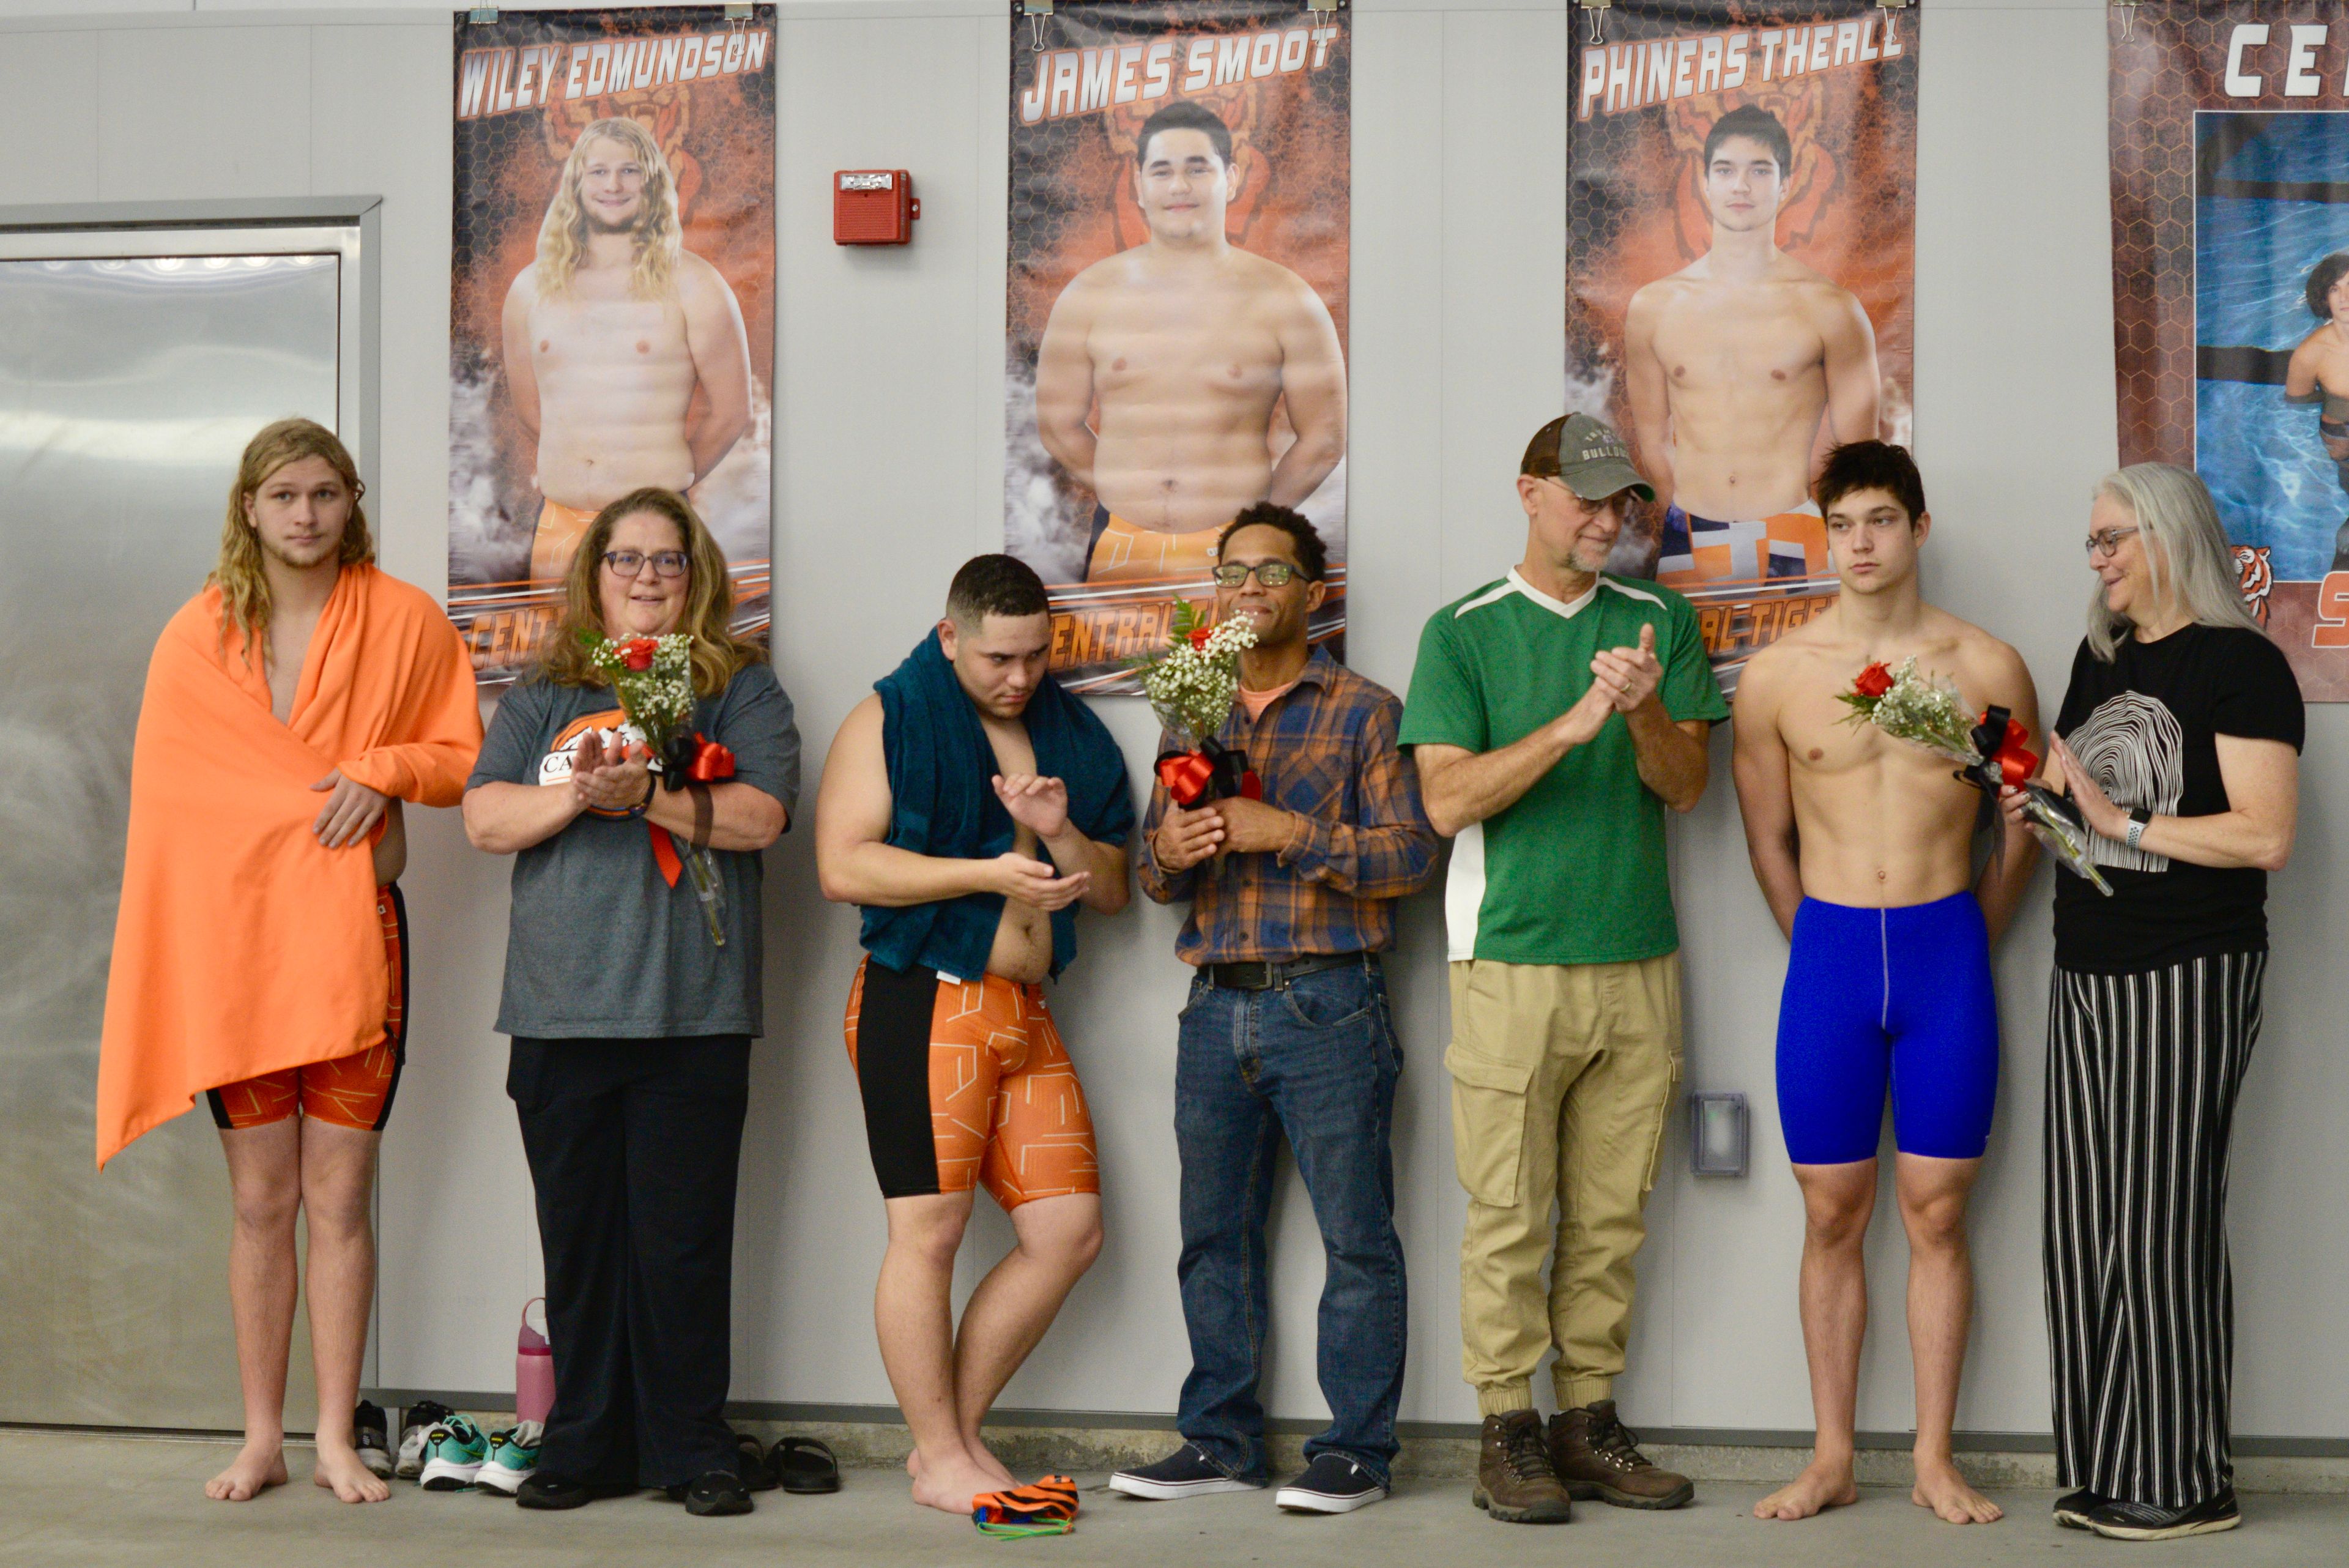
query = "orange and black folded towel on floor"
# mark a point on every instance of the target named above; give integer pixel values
(243, 946)
(1049, 1507)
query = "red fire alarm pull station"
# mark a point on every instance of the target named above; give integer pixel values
(872, 207)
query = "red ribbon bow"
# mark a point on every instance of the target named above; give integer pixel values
(2014, 760)
(711, 763)
(1185, 776)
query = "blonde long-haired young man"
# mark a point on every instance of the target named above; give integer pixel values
(608, 334)
(260, 955)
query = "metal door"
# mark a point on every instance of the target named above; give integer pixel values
(134, 366)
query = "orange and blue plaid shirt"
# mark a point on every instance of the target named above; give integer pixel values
(1325, 751)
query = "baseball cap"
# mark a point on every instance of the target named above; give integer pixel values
(1585, 456)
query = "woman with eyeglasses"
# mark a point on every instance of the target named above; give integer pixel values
(2179, 742)
(631, 1025)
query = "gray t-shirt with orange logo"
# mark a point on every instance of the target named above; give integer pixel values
(599, 944)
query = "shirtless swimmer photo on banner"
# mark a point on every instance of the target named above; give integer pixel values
(1176, 316)
(1741, 283)
(612, 299)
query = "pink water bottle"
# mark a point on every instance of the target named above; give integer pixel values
(533, 1370)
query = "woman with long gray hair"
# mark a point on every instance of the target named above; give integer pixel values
(2179, 742)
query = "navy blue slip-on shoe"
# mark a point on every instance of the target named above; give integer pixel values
(1332, 1483)
(1185, 1472)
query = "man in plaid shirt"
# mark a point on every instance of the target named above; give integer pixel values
(1287, 1033)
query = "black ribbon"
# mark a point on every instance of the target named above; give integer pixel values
(675, 763)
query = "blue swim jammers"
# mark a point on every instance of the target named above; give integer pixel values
(1873, 996)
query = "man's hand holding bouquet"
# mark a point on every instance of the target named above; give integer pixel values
(653, 679)
(1927, 711)
(1216, 799)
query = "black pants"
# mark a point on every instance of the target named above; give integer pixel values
(633, 1149)
(2143, 1071)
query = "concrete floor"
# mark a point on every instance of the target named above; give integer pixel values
(68, 1500)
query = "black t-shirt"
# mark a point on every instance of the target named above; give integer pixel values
(2145, 726)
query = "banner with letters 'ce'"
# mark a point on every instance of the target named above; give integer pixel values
(2231, 292)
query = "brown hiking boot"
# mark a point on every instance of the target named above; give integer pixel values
(1597, 1456)
(1515, 1482)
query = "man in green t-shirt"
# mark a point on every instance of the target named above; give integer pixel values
(1554, 715)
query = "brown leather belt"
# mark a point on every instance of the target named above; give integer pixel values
(1259, 975)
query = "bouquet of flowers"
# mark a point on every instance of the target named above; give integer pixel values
(1927, 711)
(653, 678)
(1191, 687)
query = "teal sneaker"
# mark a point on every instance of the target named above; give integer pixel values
(453, 1453)
(513, 1454)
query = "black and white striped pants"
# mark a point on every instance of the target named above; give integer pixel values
(2142, 1075)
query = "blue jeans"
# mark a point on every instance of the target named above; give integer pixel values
(1316, 1062)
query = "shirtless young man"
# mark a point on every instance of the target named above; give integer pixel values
(609, 334)
(969, 805)
(1731, 362)
(2319, 373)
(1187, 344)
(1862, 845)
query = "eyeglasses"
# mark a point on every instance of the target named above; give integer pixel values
(631, 563)
(2107, 542)
(1271, 574)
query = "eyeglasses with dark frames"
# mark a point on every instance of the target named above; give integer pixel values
(631, 563)
(1271, 574)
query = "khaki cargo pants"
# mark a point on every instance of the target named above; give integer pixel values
(1562, 1075)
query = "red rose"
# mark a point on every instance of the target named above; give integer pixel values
(637, 652)
(1199, 635)
(1874, 681)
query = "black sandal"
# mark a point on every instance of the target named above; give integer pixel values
(804, 1465)
(758, 1472)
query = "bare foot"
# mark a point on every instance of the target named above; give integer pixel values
(950, 1483)
(1823, 1484)
(1940, 1488)
(340, 1471)
(984, 1457)
(261, 1463)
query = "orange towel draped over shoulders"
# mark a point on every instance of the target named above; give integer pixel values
(244, 946)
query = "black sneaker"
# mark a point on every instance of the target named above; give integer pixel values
(1185, 1472)
(1332, 1483)
(372, 1436)
(540, 1489)
(416, 1427)
(2073, 1508)
(714, 1495)
(2118, 1520)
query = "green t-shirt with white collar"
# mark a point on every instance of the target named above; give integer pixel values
(1573, 872)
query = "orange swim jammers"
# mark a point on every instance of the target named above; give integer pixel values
(353, 1091)
(966, 1083)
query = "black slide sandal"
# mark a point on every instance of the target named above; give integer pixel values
(758, 1472)
(804, 1465)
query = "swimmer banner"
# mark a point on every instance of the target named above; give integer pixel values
(612, 299)
(1741, 281)
(2230, 312)
(1176, 343)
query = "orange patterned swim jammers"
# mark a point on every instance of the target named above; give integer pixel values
(965, 1084)
(353, 1091)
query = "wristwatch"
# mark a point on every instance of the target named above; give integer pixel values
(2139, 818)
